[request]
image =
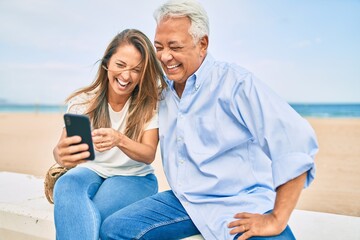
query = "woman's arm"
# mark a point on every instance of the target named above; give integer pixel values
(143, 151)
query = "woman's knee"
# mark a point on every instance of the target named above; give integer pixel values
(76, 181)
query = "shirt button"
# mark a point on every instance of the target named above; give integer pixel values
(181, 161)
(179, 139)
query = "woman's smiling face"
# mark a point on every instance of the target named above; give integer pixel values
(124, 71)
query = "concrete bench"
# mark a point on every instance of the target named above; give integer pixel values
(26, 214)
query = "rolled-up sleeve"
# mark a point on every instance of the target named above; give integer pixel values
(283, 135)
(292, 165)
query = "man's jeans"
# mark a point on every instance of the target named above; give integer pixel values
(83, 199)
(159, 217)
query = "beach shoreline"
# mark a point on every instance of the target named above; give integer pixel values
(27, 140)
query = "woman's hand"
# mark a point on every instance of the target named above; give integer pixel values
(68, 152)
(106, 138)
(144, 151)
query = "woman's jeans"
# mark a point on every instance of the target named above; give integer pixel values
(159, 217)
(83, 199)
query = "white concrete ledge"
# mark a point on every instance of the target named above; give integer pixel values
(26, 214)
(24, 211)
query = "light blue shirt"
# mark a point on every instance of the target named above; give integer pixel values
(227, 143)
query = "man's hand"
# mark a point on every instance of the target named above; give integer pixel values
(256, 225)
(275, 222)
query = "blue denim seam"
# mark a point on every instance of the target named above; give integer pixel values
(160, 225)
(94, 213)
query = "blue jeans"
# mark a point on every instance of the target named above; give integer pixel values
(159, 217)
(83, 199)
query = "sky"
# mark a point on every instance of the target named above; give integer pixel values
(306, 51)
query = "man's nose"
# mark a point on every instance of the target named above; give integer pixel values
(166, 56)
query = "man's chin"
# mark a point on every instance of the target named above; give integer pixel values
(171, 77)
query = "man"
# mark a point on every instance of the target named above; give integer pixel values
(236, 155)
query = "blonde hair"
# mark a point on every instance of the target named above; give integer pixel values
(144, 98)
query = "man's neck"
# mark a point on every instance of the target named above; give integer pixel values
(179, 88)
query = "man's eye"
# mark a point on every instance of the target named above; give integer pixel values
(176, 48)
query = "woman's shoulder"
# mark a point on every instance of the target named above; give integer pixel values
(78, 103)
(82, 97)
(153, 122)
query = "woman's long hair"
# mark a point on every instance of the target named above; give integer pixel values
(145, 96)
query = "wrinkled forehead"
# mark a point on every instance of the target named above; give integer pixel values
(173, 28)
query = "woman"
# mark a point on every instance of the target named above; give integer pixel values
(121, 104)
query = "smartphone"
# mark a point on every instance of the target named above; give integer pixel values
(79, 125)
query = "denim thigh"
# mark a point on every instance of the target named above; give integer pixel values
(75, 214)
(82, 196)
(118, 192)
(160, 216)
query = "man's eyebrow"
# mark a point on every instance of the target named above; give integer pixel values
(174, 42)
(169, 43)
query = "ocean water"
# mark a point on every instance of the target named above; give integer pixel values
(328, 110)
(32, 108)
(305, 110)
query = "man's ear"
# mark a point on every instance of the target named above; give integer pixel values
(204, 43)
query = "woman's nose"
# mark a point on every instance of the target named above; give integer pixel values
(125, 74)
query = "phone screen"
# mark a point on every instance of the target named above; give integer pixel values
(79, 125)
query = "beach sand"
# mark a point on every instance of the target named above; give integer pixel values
(27, 140)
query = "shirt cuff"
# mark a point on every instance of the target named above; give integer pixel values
(291, 166)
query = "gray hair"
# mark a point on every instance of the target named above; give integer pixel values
(186, 8)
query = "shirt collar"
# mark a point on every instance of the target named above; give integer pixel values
(203, 70)
(199, 76)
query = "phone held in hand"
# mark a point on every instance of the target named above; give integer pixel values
(79, 125)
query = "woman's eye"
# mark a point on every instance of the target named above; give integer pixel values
(120, 65)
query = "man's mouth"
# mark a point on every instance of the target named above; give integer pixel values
(172, 66)
(122, 83)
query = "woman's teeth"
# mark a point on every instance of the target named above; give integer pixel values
(123, 84)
